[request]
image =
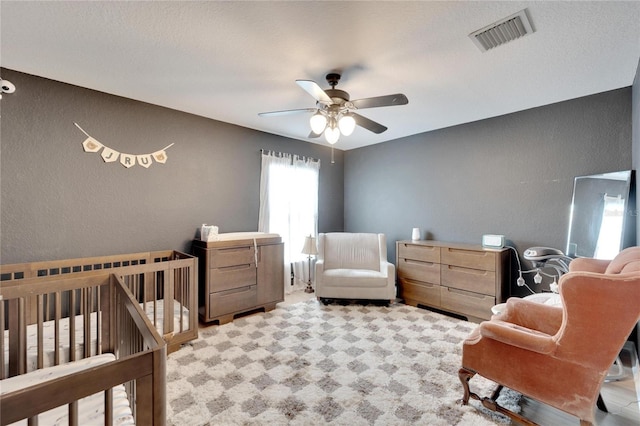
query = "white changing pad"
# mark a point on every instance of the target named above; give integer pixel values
(229, 236)
(90, 409)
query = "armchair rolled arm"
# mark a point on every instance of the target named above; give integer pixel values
(532, 315)
(584, 264)
(515, 335)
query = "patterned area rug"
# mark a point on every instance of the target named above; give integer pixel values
(310, 364)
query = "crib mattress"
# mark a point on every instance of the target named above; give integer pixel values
(48, 332)
(90, 409)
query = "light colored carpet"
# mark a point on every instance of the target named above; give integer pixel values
(310, 364)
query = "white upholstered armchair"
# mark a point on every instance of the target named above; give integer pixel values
(354, 266)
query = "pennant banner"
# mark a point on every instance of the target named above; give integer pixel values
(110, 155)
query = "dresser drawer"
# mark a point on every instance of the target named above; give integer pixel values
(230, 301)
(466, 303)
(232, 277)
(418, 270)
(419, 252)
(219, 258)
(474, 259)
(416, 292)
(474, 280)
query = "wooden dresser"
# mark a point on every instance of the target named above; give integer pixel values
(459, 278)
(242, 272)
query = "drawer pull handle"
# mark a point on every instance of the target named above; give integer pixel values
(420, 283)
(235, 267)
(418, 262)
(232, 291)
(232, 249)
(467, 293)
(467, 270)
(469, 253)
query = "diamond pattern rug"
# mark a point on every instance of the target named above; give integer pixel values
(310, 364)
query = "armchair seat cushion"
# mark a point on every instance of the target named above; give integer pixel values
(354, 278)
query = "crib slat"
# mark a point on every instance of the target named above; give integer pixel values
(184, 285)
(40, 327)
(17, 337)
(72, 325)
(33, 421)
(169, 294)
(108, 406)
(73, 413)
(153, 278)
(87, 322)
(106, 300)
(57, 308)
(98, 324)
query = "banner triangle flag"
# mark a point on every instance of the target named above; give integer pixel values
(91, 145)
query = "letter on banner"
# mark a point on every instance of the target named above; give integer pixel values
(127, 160)
(144, 160)
(91, 145)
(109, 155)
(160, 156)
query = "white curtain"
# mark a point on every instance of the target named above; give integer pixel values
(289, 207)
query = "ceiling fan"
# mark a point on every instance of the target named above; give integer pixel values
(335, 114)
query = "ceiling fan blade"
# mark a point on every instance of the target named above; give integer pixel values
(286, 112)
(368, 124)
(381, 101)
(313, 135)
(312, 88)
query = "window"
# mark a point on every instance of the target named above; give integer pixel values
(289, 206)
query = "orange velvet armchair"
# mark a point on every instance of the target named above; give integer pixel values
(559, 355)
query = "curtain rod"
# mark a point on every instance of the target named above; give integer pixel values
(280, 154)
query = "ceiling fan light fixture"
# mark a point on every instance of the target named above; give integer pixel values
(333, 114)
(318, 123)
(332, 134)
(347, 124)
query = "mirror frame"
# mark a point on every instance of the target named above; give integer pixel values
(628, 231)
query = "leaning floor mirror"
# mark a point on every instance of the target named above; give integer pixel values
(603, 216)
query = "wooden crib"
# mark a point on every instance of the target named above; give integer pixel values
(163, 282)
(104, 322)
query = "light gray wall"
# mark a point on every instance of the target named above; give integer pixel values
(510, 175)
(59, 202)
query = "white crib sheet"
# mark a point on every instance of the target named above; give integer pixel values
(90, 409)
(48, 341)
(149, 308)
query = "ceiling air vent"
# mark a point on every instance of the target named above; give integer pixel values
(502, 31)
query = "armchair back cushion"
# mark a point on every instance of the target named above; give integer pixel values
(352, 251)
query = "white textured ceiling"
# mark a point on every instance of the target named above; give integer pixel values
(231, 60)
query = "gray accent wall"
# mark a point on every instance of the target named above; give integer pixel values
(59, 202)
(510, 175)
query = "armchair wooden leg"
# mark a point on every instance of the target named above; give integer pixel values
(465, 375)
